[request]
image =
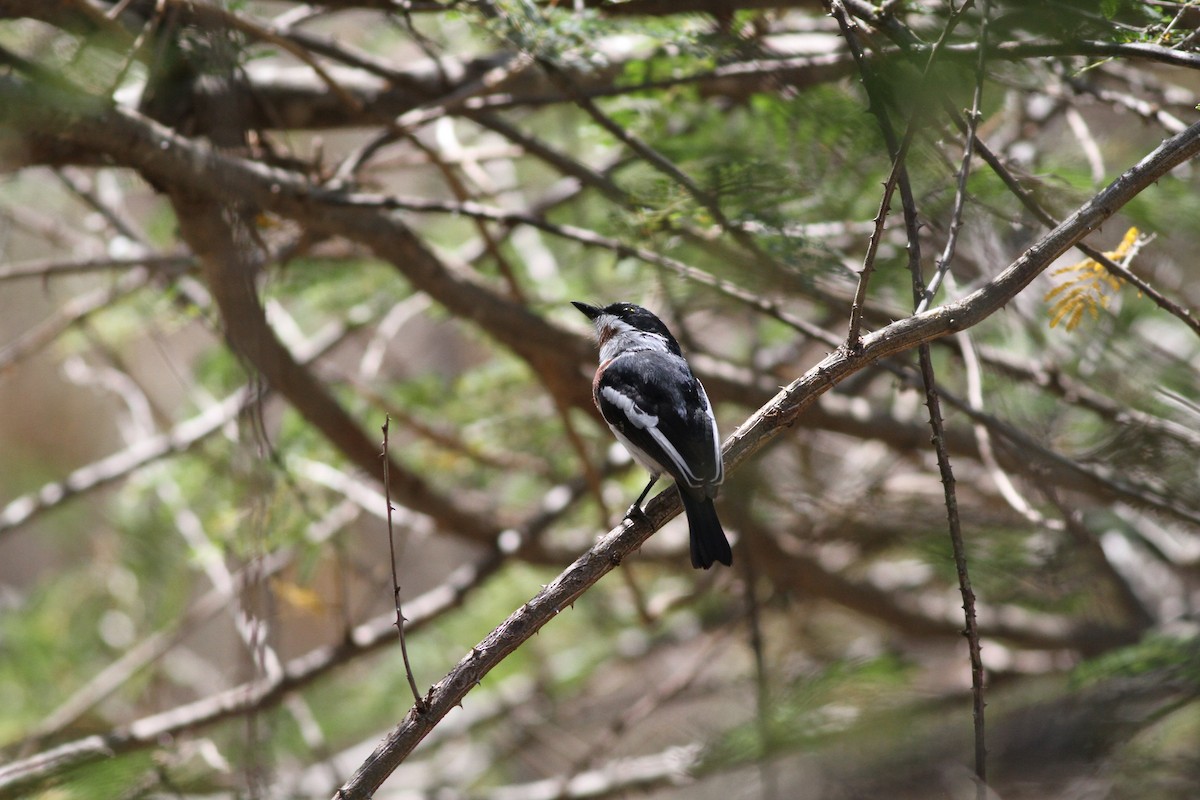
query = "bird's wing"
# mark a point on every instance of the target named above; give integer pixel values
(656, 403)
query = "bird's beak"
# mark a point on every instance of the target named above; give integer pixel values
(591, 312)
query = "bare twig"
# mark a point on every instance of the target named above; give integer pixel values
(387, 488)
(960, 564)
(939, 437)
(964, 170)
(854, 335)
(46, 268)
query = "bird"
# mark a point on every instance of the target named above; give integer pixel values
(659, 411)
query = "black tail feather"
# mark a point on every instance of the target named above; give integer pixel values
(709, 544)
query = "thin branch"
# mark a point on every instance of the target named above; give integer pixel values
(113, 213)
(960, 191)
(46, 268)
(386, 457)
(853, 339)
(854, 334)
(70, 314)
(960, 565)
(877, 105)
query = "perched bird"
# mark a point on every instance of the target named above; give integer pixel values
(656, 408)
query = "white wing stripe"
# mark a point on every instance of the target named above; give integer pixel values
(629, 408)
(712, 420)
(673, 454)
(649, 423)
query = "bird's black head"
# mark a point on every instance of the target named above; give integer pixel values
(614, 319)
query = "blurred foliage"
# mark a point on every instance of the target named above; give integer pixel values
(1163, 657)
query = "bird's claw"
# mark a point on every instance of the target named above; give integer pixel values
(635, 514)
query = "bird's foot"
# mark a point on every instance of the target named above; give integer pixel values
(636, 514)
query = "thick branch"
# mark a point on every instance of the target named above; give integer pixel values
(228, 266)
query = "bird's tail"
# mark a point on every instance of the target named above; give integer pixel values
(709, 544)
